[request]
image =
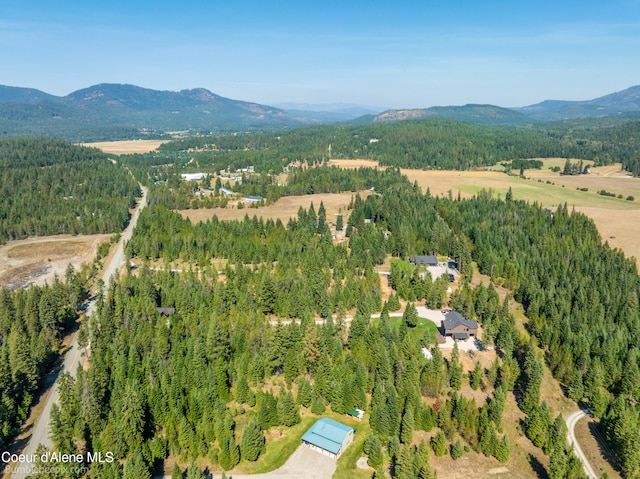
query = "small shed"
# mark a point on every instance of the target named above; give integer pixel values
(165, 311)
(357, 414)
(254, 199)
(329, 437)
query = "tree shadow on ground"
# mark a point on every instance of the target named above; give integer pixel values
(538, 468)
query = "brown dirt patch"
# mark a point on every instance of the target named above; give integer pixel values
(127, 146)
(36, 260)
(283, 209)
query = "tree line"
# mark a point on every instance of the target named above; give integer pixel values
(418, 144)
(49, 187)
(33, 322)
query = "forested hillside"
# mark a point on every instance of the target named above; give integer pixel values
(421, 144)
(50, 187)
(199, 384)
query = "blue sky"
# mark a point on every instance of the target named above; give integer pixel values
(401, 54)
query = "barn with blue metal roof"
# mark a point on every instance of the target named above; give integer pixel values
(329, 437)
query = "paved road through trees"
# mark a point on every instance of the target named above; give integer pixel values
(40, 434)
(572, 420)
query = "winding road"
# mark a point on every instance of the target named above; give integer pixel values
(572, 420)
(40, 431)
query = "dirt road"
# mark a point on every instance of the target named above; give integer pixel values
(572, 420)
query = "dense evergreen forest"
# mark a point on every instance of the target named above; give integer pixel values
(199, 384)
(208, 382)
(428, 144)
(32, 324)
(50, 187)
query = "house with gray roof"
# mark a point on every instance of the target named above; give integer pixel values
(429, 260)
(456, 326)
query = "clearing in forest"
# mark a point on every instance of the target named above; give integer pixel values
(617, 219)
(36, 260)
(283, 209)
(127, 146)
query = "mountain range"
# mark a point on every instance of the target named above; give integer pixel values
(620, 103)
(115, 111)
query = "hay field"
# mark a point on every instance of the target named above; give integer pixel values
(127, 146)
(36, 260)
(283, 209)
(618, 220)
(354, 164)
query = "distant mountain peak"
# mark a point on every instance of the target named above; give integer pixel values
(627, 100)
(472, 113)
(200, 93)
(109, 107)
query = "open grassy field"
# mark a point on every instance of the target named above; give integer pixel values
(283, 209)
(353, 164)
(127, 146)
(618, 220)
(36, 260)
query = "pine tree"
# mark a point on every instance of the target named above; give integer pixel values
(194, 471)
(132, 418)
(267, 412)
(136, 468)
(576, 388)
(339, 222)
(439, 444)
(455, 369)
(311, 349)
(394, 448)
(317, 406)
(488, 440)
(475, 378)
(287, 410)
(456, 450)
(177, 472)
(267, 294)
(503, 449)
(305, 392)
(404, 464)
(394, 302)
(496, 407)
(406, 428)
(533, 373)
(252, 442)
(558, 464)
(410, 315)
(244, 394)
(376, 457)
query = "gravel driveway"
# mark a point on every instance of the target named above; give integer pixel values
(304, 463)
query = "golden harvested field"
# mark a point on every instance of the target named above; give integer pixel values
(127, 146)
(353, 164)
(36, 260)
(618, 220)
(283, 209)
